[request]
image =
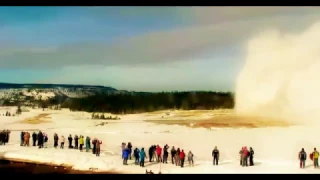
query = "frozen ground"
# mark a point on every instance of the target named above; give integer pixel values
(276, 148)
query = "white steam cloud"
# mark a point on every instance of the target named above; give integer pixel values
(281, 76)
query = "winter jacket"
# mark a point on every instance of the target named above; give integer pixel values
(22, 136)
(173, 152)
(315, 155)
(245, 152)
(251, 153)
(98, 143)
(159, 150)
(125, 153)
(136, 153)
(182, 155)
(34, 136)
(81, 141)
(87, 141)
(190, 156)
(302, 155)
(215, 153)
(142, 155)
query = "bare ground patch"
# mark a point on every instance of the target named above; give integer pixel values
(39, 119)
(226, 122)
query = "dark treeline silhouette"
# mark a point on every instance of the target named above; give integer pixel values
(146, 102)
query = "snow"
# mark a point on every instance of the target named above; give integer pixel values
(276, 149)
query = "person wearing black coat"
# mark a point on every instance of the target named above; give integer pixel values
(34, 139)
(76, 142)
(94, 143)
(55, 139)
(40, 139)
(215, 155)
(165, 154)
(150, 153)
(251, 153)
(130, 149)
(70, 141)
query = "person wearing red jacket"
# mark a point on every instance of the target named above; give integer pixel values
(159, 151)
(182, 156)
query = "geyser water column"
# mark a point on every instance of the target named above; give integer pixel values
(281, 76)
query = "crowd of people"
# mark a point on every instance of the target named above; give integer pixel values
(155, 154)
(40, 139)
(4, 136)
(246, 154)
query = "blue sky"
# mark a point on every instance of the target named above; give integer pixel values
(135, 48)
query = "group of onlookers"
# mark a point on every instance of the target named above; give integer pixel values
(314, 156)
(4, 136)
(156, 153)
(246, 154)
(40, 139)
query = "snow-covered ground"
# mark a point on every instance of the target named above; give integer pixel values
(276, 148)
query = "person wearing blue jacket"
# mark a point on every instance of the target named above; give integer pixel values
(125, 153)
(142, 156)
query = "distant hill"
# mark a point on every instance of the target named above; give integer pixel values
(49, 86)
(28, 93)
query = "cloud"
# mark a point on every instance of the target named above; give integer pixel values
(214, 30)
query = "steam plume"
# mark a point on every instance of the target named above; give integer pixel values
(281, 76)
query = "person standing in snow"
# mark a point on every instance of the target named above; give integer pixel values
(123, 145)
(251, 153)
(151, 153)
(7, 136)
(215, 155)
(28, 139)
(190, 158)
(173, 153)
(245, 155)
(45, 140)
(55, 140)
(142, 156)
(21, 138)
(34, 139)
(2, 141)
(70, 141)
(136, 153)
(94, 143)
(81, 142)
(62, 142)
(76, 142)
(159, 152)
(87, 144)
(40, 140)
(125, 155)
(302, 157)
(130, 149)
(165, 154)
(98, 144)
(177, 157)
(25, 137)
(241, 155)
(182, 157)
(315, 158)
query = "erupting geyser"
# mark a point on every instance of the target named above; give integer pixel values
(281, 76)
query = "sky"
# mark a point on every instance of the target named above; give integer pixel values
(137, 48)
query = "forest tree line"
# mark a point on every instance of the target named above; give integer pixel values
(146, 102)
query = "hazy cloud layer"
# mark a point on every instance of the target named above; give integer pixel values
(214, 29)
